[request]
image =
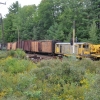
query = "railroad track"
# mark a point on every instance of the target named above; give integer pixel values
(38, 57)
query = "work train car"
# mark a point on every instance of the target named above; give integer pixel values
(67, 49)
(81, 50)
(91, 50)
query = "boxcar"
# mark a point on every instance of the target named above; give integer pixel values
(27, 45)
(14, 45)
(20, 44)
(9, 46)
(43, 46)
(35, 46)
(48, 46)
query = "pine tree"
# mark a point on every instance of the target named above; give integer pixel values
(92, 33)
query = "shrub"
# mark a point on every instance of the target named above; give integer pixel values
(94, 92)
(66, 79)
(14, 65)
(19, 53)
(16, 78)
(3, 54)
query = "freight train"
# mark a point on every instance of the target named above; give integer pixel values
(54, 47)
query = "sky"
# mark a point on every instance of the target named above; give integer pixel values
(4, 8)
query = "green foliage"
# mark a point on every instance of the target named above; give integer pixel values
(13, 65)
(16, 78)
(3, 54)
(35, 94)
(55, 32)
(57, 79)
(64, 79)
(92, 33)
(93, 93)
(53, 19)
(18, 53)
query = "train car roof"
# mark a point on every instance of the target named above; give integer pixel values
(69, 43)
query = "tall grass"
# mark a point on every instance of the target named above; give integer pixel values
(54, 79)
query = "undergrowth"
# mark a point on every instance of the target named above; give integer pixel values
(54, 79)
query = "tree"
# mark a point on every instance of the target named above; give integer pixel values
(45, 17)
(9, 25)
(92, 33)
(53, 19)
(55, 32)
(27, 22)
(93, 11)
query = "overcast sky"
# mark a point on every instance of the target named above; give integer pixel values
(4, 8)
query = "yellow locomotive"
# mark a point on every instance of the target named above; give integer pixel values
(81, 50)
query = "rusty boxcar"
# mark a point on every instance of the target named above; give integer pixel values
(20, 44)
(27, 45)
(35, 46)
(47, 46)
(9, 46)
(14, 45)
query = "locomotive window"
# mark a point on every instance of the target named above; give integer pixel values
(79, 45)
(85, 46)
(60, 48)
(57, 45)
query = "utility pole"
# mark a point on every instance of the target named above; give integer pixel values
(73, 37)
(2, 29)
(1, 22)
(18, 36)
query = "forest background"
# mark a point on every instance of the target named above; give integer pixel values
(53, 19)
